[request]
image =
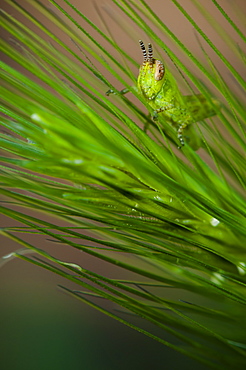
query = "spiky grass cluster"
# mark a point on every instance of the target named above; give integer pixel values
(127, 192)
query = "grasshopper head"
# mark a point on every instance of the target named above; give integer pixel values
(151, 73)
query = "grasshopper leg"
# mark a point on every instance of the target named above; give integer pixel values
(180, 134)
(122, 92)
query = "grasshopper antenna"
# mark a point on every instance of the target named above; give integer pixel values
(145, 56)
(150, 53)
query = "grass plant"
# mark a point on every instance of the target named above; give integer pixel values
(174, 219)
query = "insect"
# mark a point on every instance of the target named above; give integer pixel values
(159, 88)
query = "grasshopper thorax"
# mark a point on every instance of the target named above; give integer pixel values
(151, 74)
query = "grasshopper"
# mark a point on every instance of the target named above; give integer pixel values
(157, 85)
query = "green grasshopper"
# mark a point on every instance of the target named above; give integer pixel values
(157, 85)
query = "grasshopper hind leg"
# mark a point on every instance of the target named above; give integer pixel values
(200, 108)
(180, 134)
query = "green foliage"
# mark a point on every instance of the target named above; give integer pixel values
(175, 218)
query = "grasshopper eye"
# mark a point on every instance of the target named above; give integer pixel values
(159, 71)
